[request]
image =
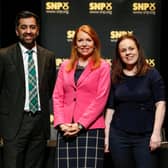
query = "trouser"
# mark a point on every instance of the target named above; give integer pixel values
(27, 149)
(131, 150)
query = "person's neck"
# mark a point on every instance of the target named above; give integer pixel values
(130, 71)
(83, 62)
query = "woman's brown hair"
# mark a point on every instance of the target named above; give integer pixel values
(118, 65)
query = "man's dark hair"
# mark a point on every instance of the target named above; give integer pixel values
(26, 14)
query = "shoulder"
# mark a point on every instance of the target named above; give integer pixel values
(153, 71)
(10, 48)
(104, 64)
(45, 51)
(154, 74)
(64, 64)
(9, 51)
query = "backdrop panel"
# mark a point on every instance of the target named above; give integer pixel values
(110, 18)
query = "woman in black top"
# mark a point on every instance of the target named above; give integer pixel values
(136, 108)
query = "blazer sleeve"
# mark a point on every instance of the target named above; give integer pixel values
(58, 96)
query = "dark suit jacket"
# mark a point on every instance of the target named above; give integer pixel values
(12, 88)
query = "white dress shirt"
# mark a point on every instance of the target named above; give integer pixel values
(25, 62)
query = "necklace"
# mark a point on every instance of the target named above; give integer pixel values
(129, 72)
(83, 63)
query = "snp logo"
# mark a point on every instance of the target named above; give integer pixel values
(59, 61)
(70, 35)
(151, 62)
(100, 8)
(144, 8)
(57, 7)
(114, 35)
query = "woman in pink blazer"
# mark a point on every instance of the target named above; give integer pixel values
(79, 99)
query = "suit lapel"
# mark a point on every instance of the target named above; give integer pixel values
(41, 63)
(18, 61)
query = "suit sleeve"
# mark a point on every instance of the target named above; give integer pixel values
(1, 71)
(52, 77)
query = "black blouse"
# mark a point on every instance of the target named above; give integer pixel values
(78, 72)
(134, 101)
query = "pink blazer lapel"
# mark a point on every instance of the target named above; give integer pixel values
(85, 74)
(71, 78)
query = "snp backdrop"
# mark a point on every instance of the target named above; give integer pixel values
(110, 18)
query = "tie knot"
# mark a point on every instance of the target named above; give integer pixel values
(29, 52)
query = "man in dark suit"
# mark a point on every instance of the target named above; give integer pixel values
(25, 131)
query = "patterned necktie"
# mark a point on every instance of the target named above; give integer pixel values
(32, 82)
